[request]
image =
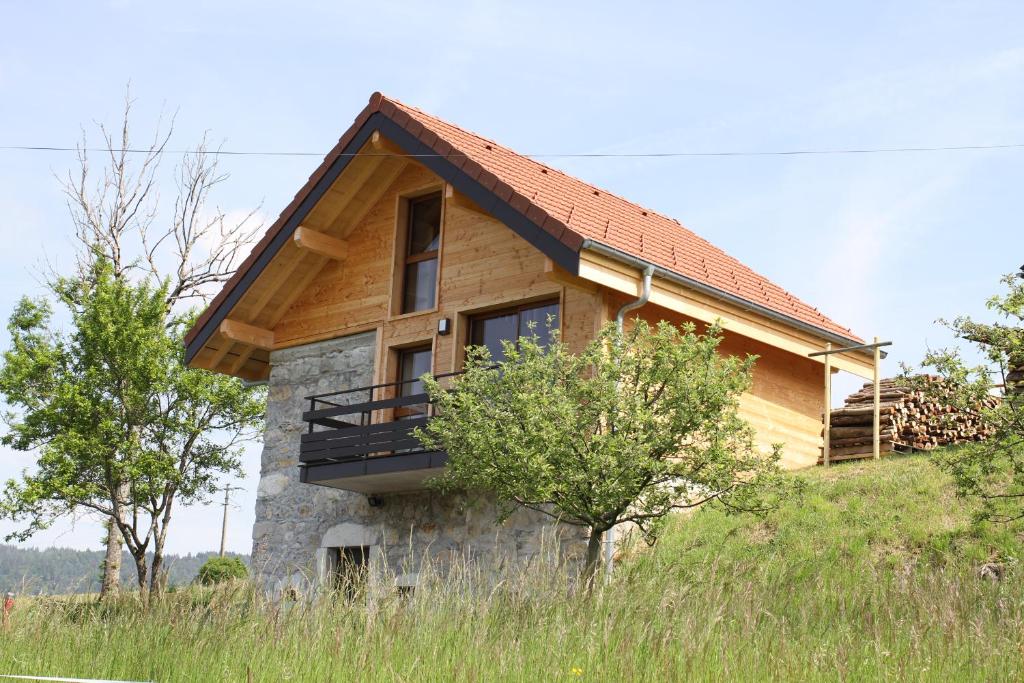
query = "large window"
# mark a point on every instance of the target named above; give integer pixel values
(491, 329)
(422, 242)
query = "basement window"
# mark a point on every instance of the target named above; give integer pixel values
(422, 245)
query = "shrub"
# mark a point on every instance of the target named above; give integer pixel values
(218, 569)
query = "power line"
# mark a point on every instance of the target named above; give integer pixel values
(556, 155)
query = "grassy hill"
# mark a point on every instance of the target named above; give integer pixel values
(872, 576)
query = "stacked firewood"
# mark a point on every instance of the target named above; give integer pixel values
(909, 419)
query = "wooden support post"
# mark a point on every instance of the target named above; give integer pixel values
(828, 406)
(877, 424)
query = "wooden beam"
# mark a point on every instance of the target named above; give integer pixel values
(222, 352)
(280, 271)
(699, 306)
(369, 194)
(242, 359)
(556, 273)
(244, 333)
(382, 145)
(453, 197)
(297, 287)
(319, 243)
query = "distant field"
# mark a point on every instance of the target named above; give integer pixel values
(873, 576)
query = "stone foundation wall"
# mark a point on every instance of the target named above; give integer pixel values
(298, 524)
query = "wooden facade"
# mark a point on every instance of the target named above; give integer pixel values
(337, 276)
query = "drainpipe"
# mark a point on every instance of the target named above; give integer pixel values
(620, 319)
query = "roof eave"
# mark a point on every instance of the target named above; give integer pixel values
(704, 288)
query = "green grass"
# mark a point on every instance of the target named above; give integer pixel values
(872, 576)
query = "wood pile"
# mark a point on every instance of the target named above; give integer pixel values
(908, 420)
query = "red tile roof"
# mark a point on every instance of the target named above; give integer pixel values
(598, 215)
(566, 207)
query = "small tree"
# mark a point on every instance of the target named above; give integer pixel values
(220, 569)
(123, 428)
(991, 471)
(631, 428)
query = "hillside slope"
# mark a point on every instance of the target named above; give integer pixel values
(873, 575)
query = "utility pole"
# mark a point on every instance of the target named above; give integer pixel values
(224, 524)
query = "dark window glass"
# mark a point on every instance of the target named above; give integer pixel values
(424, 225)
(412, 364)
(538, 317)
(420, 283)
(489, 330)
(422, 241)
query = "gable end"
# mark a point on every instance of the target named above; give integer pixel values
(453, 167)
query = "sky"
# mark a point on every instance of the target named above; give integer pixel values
(882, 243)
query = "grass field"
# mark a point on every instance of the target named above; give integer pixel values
(872, 576)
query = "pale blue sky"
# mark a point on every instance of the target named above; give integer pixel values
(884, 243)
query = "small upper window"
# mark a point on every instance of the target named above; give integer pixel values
(422, 241)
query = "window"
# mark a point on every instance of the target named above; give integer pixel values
(412, 364)
(422, 242)
(491, 328)
(349, 573)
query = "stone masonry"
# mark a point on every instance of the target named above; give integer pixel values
(298, 524)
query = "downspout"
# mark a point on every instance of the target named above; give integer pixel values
(620, 319)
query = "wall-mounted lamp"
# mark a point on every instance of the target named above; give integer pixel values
(444, 326)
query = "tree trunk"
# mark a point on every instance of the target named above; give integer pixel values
(112, 562)
(140, 569)
(593, 561)
(157, 575)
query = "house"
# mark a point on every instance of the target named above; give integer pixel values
(411, 240)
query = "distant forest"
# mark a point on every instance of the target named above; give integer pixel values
(64, 570)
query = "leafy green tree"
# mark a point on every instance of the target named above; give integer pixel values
(220, 569)
(629, 429)
(991, 471)
(122, 427)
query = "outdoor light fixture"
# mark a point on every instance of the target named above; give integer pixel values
(444, 326)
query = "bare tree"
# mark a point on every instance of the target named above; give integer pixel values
(117, 218)
(115, 214)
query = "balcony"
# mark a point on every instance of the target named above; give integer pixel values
(362, 439)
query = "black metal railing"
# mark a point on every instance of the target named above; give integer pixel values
(367, 422)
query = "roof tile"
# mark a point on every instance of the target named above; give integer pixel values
(542, 192)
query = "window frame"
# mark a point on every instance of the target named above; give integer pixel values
(402, 258)
(517, 309)
(400, 354)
